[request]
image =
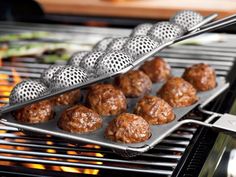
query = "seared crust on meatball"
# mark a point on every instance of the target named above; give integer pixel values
(106, 100)
(128, 128)
(154, 110)
(201, 76)
(134, 83)
(79, 119)
(157, 69)
(35, 113)
(178, 92)
(68, 98)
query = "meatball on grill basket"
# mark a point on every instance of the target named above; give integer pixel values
(112, 63)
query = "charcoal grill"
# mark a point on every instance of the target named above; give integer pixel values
(27, 154)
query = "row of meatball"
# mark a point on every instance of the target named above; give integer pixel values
(105, 100)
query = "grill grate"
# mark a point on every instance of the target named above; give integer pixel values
(32, 151)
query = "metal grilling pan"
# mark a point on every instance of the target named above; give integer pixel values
(158, 132)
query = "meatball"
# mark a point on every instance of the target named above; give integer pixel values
(178, 92)
(157, 69)
(201, 76)
(35, 113)
(79, 119)
(106, 100)
(154, 110)
(128, 128)
(68, 98)
(134, 83)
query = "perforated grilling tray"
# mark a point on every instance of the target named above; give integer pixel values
(158, 132)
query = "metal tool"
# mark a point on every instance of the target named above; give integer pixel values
(158, 131)
(125, 67)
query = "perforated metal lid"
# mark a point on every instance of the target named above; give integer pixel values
(68, 76)
(27, 90)
(112, 62)
(141, 29)
(103, 44)
(48, 74)
(117, 44)
(137, 46)
(89, 60)
(77, 57)
(187, 19)
(165, 31)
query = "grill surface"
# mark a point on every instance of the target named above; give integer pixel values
(31, 151)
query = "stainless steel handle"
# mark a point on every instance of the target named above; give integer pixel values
(226, 122)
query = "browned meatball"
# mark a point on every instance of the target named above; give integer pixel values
(134, 83)
(35, 113)
(178, 92)
(201, 76)
(106, 100)
(128, 128)
(157, 69)
(79, 119)
(154, 110)
(68, 98)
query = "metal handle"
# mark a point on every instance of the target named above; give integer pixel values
(204, 22)
(225, 122)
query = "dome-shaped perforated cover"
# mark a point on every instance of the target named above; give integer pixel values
(117, 44)
(112, 61)
(187, 19)
(48, 74)
(141, 29)
(68, 76)
(89, 60)
(103, 44)
(165, 31)
(77, 57)
(27, 90)
(137, 46)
